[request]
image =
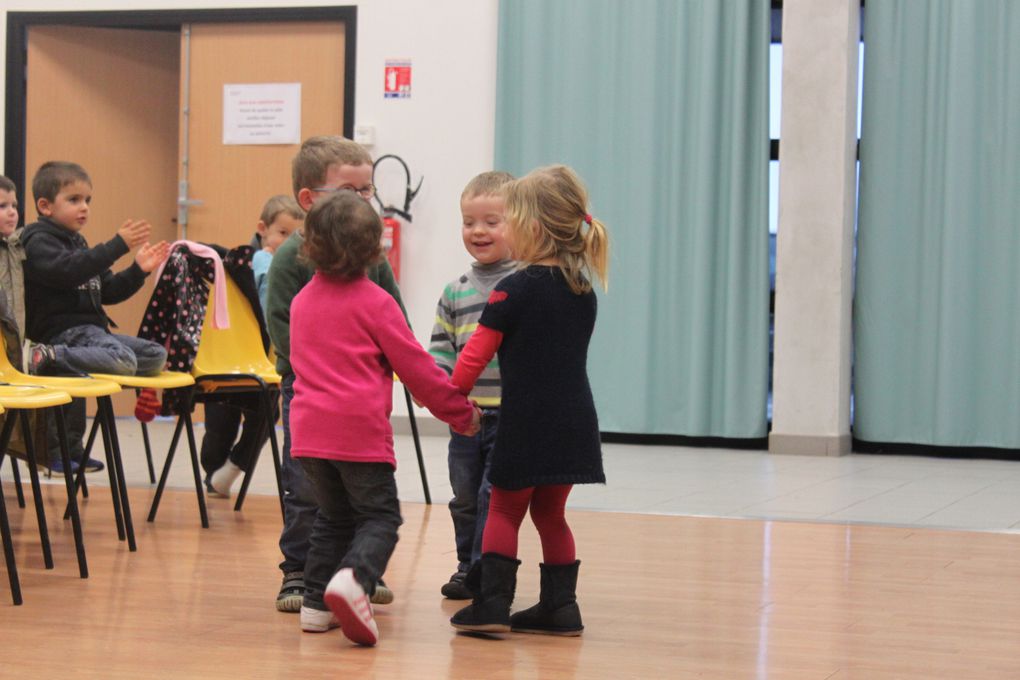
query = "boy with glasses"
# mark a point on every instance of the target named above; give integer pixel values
(323, 165)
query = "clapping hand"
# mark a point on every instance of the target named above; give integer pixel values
(151, 256)
(135, 232)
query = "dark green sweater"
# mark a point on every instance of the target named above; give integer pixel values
(287, 276)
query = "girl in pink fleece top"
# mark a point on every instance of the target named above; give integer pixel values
(347, 337)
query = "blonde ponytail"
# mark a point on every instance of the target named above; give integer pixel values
(548, 219)
(596, 249)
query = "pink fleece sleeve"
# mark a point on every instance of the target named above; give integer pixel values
(419, 371)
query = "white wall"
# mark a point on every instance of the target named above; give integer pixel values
(445, 131)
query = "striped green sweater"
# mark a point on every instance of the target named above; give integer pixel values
(456, 319)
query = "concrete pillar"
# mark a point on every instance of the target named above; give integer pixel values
(814, 250)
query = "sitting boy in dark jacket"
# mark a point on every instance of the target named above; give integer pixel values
(67, 283)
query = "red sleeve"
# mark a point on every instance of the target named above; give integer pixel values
(476, 356)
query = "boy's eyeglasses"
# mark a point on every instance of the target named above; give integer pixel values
(365, 192)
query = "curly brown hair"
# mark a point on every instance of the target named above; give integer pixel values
(343, 235)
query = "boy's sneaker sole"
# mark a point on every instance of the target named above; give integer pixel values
(348, 601)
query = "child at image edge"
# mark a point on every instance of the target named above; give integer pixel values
(12, 254)
(347, 338)
(540, 319)
(482, 230)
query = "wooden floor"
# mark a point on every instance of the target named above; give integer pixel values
(662, 597)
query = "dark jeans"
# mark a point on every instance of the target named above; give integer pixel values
(91, 349)
(222, 421)
(356, 525)
(299, 504)
(468, 460)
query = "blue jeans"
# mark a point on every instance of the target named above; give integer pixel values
(299, 505)
(91, 349)
(469, 476)
(355, 526)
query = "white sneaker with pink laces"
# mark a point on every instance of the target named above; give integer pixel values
(347, 600)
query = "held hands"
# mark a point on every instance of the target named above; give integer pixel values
(135, 232)
(151, 256)
(476, 422)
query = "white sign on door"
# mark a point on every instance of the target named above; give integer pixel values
(264, 113)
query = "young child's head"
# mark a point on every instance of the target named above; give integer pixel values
(8, 207)
(548, 222)
(327, 164)
(343, 235)
(281, 216)
(483, 221)
(63, 192)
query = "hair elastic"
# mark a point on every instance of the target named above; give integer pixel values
(587, 218)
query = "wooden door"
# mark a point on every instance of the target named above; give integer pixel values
(108, 100)
(234, 181)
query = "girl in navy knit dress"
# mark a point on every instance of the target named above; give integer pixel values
(540, 320)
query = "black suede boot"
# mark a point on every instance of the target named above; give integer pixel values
(557, 612)
(489, 612)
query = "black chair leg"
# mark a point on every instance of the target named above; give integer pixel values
(5, 525)
(8, 540)
(40, 512)
(72, 496)
(92, 437)
(148, 453)
(199, 492)
(417, 447)
(116, 497)
(106, 404)
(166, 469)
(16, 473)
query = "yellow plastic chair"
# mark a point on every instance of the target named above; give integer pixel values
(100, 390)
(229, 360)
(15, 401)
(166, 380)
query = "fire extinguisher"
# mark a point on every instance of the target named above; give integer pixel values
(390, 213)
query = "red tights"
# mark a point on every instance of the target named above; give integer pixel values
(506, 512)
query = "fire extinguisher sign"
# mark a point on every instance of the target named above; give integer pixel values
(397, 80)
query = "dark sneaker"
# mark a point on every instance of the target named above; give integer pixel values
(57, 466)
(292, 592)
(37, 358)
(455, 588)
(382, 594)
(92, 465)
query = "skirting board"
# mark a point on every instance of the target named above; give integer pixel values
(809, 445)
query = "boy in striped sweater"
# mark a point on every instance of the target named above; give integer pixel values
(457, 315)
